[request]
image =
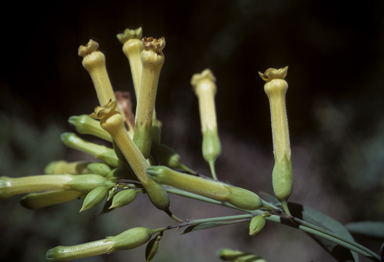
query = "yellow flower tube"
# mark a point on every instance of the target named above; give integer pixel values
(205, 89)
(112, 121)
(282, 175)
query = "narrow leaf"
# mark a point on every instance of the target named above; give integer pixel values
(271, 199)
(368, 229)
(319, 219)
(205, 225)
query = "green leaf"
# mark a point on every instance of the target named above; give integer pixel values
(368, 229)
(319, 219)
(205, 225)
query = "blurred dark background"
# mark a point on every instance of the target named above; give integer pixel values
(334, 103)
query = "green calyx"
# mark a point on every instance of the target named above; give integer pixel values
(143, 138)
(86, 183)
(131, 238)
(243, 198)
(282, 179)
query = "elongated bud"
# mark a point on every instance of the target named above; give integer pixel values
(256, 225)
(132, 48)
(61, 167)
(169, 157)
(129, 239)
(40, 200)
(94, 197)
(94, 63)
(103, 153)
(123, 198)
(98, 168)
(282, 175)
(112, 121)
(236, 196)
(205, 89)
(152, 58)
(152, 247)
(84, 124)
(227, 254)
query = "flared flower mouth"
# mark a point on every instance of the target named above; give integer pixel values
(272, 73)
(89, 48)
(102, 111)
(156, 45)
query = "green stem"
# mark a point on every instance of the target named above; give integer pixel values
(303, 225)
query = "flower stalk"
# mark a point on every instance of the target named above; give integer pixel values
(205, 89)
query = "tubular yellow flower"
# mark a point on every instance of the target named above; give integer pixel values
(236, 196)
(152, 59)
(132, 48)
(282, 176)
(112, 121)
(205, 89)
(83, 183)
(94, 63)
(61, 167)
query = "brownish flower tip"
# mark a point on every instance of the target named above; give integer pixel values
(157, 45)
(91, 46)
(101, 111)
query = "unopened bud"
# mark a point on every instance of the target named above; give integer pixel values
(123, 198)
(94, 197)
(256, 225)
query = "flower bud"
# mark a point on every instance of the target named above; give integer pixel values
(39, 200)
(123, 198)
(61, 167)
(205, 89)
(103, 153)
(227, 254)
(152, 247)
(86, 125)
(94, 197)
(256, 225)
(98, 168)
(129, 239)
(239, 197)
